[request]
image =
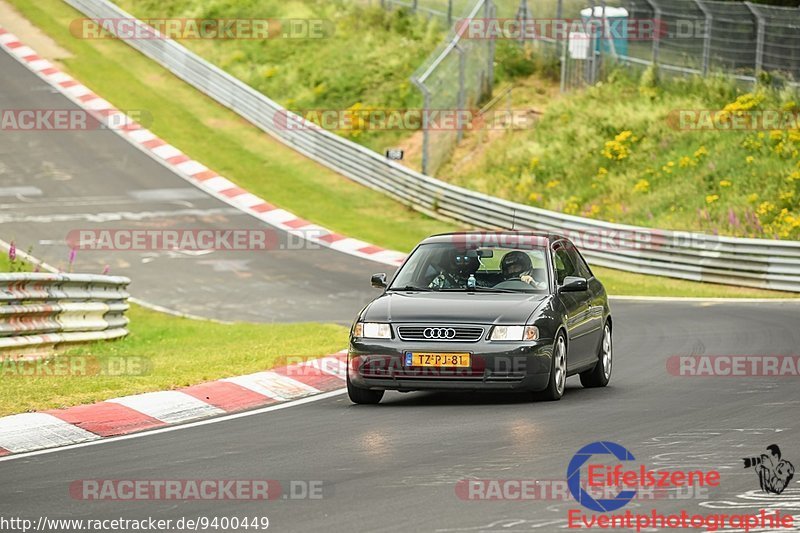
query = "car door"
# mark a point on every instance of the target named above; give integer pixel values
(577, 309)
(595, 299)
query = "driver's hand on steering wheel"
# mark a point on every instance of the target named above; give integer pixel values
(527, 279)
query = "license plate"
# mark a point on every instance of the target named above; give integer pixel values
(437, 360)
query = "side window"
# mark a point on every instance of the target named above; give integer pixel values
(563, 263)
(580, 264)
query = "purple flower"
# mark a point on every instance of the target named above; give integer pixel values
(12, 252)
(72, 254)
(106, 270)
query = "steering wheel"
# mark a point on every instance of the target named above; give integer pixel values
(511, 283)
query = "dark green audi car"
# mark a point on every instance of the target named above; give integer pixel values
(496, 311)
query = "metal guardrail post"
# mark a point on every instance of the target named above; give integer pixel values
(707, 38)
(761, 29)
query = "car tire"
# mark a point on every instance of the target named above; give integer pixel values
(558, 372)
(600, 375)
(363, 396)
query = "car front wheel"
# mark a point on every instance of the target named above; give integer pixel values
(363, 396)
(558, 372)
(600, 375)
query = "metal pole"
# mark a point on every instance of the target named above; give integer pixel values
(426, 107)
(522, 16)
(490, 13)
(707, 39)
(449, 13)
(760, 36)
(462, 80)
(657, 37)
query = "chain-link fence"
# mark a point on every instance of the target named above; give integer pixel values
(684, 37)
(699, 37)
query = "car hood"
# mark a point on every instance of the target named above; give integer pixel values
(454, 307)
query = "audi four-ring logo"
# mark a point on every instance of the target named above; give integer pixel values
(439, 333)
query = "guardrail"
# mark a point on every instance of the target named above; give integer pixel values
(41, 311)
(761, 263)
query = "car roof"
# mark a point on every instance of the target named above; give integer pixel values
(448, 237)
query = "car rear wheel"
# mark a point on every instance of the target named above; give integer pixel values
(363, 396)
(558, 372)
(600, 375)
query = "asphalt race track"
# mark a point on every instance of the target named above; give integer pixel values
(53, 182)
(395, 466)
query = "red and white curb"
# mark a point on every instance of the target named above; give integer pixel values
(189, 169)
(130, 414)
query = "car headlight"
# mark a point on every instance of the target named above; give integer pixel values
(514, 333)
(372, 330)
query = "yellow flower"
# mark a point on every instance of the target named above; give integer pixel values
(711, 198)
(685, 161)
(752, 198)
(765, 207)
(700, 152)
(552, 184)
(534, 163)
(725, 183)
(602, 172)
(641, 186)
(750, 159)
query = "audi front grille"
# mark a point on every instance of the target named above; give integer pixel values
(440, 333)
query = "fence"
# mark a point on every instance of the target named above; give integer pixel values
(40, 311)
(770, 264)
(703, 36)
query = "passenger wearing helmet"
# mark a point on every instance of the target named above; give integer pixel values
(517, 265)
(455, 270)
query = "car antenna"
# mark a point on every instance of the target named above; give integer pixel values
(513, 219)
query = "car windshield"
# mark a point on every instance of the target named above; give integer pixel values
(457, 267)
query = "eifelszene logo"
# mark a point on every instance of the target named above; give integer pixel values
(774, 473)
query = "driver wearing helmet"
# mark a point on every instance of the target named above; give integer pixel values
(456, 270)
(517, 265)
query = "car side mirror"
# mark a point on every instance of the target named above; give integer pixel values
(574, 284)
(379, 280)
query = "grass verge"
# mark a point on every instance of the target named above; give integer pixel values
(173, 352)
(228, 144)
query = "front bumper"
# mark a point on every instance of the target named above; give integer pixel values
(378, 364)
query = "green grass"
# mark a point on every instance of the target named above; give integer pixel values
(612, 153)
(229, 145)
(174, 352)
(364, 59)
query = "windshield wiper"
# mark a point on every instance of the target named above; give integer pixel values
(411, 288)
